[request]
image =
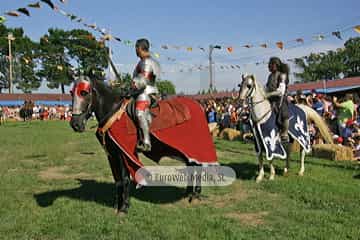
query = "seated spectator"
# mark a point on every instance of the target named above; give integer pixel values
(318, 105)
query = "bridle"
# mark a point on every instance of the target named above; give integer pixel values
(249, 100)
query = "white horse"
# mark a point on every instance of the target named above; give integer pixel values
(260, 112)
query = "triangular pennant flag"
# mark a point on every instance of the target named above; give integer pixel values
(156, 55)
(247, 46)
(107, 37)
(63, 1)
(189, 49)
(280, 45)
(48, 2)
(337, 34)
(24, 11)
(79, 20)
(238, 66)
(127, 42)
(93, 26)
(264, 45)
(357, 28)
(319, 37)
(73, 17)
(230, 49)
(300, 40)
(34, 5)
(202, 49)
(164, 47)
(13, 13)
(2, 19)
(232, 67)
(117, 39)
(26, 60)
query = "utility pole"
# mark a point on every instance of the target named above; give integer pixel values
(211, 48)
(10, 38)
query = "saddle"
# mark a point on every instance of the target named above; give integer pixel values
(165, 114)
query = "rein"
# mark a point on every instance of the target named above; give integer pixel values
(116, 116)
(252, 104)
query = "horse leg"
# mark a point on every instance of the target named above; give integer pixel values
(260, 177)
(123, 187)
(302, 162)
(197, 192)
(272, 171)
(287, 146)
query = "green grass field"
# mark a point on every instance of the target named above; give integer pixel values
(57, 184)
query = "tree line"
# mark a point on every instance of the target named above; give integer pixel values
(343, 62)
(56, 59)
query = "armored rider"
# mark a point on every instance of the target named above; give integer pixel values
(146, 72)
(276, 92)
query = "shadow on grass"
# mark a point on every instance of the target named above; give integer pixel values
(244, 171)
(357, 176)
(104, 193)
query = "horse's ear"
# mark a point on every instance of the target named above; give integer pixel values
(253, 77)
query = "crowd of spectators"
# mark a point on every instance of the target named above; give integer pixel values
(38, 112)
(340, 113)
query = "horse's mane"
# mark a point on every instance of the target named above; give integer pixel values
(259, 87)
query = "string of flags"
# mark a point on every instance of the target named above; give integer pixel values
(106, 36)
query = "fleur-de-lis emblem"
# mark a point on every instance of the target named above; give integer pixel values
(299, 126)
(272, 140)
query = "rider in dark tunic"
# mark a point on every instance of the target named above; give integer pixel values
(276, 88)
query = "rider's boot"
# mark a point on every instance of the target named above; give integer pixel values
(144, 118)
(285, 141)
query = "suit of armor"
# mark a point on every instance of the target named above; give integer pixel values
(276, 88)
(144, 76)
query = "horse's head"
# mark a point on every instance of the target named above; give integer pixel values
(247, 86)
(82, 98)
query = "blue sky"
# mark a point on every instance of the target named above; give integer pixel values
(200, 23)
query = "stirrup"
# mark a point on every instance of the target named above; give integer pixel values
(143, 147)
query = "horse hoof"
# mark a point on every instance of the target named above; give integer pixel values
(195, 198)
(259, 180)
(121, 213)
(271, 178)
(301, 174)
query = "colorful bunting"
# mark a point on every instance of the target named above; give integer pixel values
(13, 13)
(337, 34)
(264, 45)
(357, 28)
(280, 45)
(300, 40)
(189, 49)
(248, 46)
(34, 5)
(48, 2)
(24, 11)
(117, 39)
(319, 37)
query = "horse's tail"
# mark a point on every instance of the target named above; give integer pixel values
(312, 115)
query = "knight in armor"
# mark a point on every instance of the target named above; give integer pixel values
(276, 92)
(146, 72)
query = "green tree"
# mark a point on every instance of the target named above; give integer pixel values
(330, 65)
(91, 55)
(352, 57)
(24, 59)
(165, 87)
(56, 69)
